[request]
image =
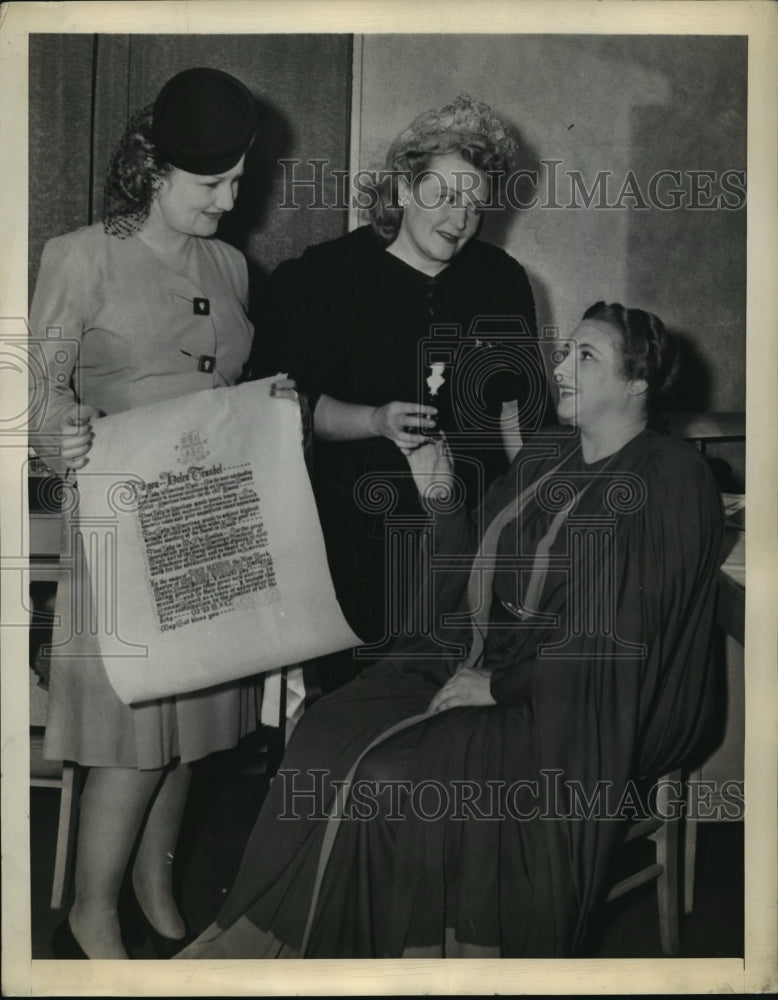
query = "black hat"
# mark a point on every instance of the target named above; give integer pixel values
(204, 121)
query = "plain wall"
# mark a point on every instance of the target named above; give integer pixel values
(619, 103)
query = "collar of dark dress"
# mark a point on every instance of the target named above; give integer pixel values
(380, 250)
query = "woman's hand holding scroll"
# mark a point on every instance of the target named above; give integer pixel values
(284, 388)
(77, 435)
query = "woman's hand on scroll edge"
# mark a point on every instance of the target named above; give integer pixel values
(399, 422)
(77, 435)
(284, 388)
(468, 688)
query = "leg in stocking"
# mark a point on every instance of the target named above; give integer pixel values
(152, 874)
(113, 803)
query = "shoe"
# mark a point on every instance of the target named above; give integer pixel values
(64, 944)
(137, 928)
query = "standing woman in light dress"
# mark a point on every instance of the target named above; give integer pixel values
(141, 307)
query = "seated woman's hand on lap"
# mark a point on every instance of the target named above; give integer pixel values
(468, 688)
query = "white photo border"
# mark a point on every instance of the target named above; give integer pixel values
(757, 972)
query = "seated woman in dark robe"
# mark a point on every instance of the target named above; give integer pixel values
(473, 780)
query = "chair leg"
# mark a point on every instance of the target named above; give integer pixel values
(689, 860)
(690, 848)
(667, 839)
(66, 834)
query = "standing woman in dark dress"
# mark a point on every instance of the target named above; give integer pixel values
(351, 321)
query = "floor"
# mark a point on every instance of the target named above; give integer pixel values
(228, 790)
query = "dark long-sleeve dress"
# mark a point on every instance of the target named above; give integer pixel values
(597, 639)
(350, 320)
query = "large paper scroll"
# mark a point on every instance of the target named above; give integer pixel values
(205, 554)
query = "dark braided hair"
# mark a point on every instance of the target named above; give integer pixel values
(649, 352)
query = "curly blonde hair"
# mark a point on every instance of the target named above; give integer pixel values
(466, 127)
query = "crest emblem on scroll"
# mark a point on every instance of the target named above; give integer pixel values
(192, 448)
